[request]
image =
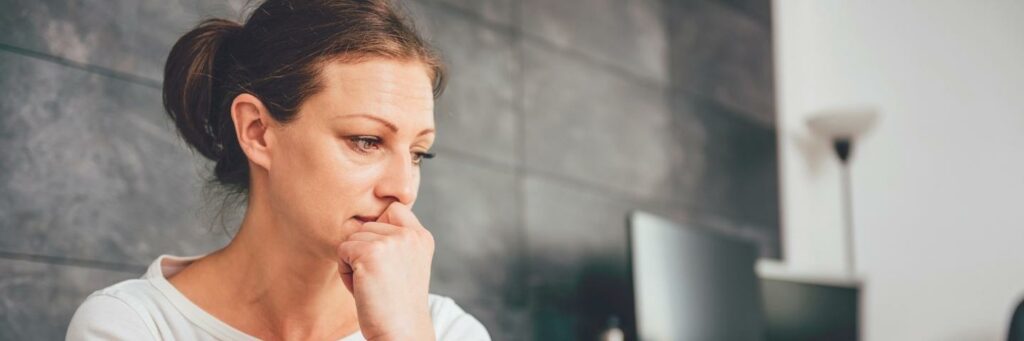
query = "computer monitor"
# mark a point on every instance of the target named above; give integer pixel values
(692, 283)
(809, 309)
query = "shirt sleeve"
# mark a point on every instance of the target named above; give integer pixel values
(106, 317)
(465, 328)
(458, 325)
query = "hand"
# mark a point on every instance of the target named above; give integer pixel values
(386, 266)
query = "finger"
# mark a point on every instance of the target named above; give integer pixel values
(379, 228)
(363, 236)
(349, 251)
(400, 215)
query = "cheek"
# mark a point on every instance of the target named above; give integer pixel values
(318, 184)
(416, 187)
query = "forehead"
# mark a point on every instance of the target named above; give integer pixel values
(399, 91)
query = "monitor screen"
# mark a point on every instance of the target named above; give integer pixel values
(809, 310)
(693, 283)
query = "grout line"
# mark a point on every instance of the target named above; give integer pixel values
(736, 10)
(449, 152)
(519, 82)
(119, 75)
(750, 115)
(524, 171)
(697, 91)
(596, 62)
(731, 219)
(514, 31)
(85, 263)
(566, 51)
(471, 16)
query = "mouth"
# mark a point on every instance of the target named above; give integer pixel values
(365, 219)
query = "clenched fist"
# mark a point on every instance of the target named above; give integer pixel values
(386, 266)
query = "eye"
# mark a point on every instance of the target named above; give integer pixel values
(366, 143)
(418, 157)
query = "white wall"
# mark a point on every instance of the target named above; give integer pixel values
(939, 183)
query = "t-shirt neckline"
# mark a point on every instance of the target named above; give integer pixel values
(157, 274)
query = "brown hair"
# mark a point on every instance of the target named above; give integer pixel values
(276, 56)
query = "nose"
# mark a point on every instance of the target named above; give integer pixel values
(399, 181)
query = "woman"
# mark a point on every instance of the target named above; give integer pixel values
(320, 113)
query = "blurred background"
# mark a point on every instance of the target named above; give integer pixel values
(719, 117)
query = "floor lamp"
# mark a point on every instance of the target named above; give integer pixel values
(842, 128)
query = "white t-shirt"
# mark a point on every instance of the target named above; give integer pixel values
(150, 308)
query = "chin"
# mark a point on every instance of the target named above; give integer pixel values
(324, 241)
(341, 233)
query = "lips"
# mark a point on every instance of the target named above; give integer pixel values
(365, 219)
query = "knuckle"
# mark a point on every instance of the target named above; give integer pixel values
(377, 249)
(405, 234)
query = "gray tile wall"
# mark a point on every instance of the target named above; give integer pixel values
(560, 118)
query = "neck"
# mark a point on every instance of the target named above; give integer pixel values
(291, 286)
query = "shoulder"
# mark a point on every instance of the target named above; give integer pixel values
(117, 312)
(453, 323)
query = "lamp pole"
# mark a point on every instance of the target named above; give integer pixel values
(842, 127)
(843, 147)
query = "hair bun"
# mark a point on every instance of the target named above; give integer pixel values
(190, 86)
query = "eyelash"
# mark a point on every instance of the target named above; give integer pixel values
(376, 141)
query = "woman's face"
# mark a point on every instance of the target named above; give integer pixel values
(354, 148)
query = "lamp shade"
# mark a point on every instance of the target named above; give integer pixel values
(842, 124)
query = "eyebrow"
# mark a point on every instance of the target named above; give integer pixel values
(386, 123)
